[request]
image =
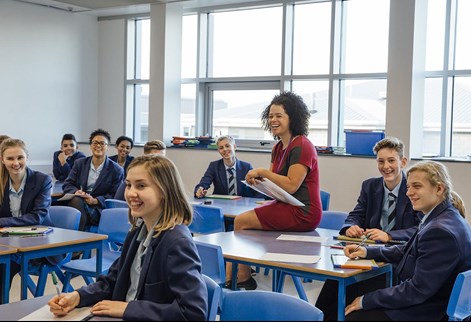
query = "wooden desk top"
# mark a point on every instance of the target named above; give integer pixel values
(251, 245)
(5, 250)
(58, 237)
(232, 208)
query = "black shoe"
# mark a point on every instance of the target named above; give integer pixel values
(249, 285)
(253, 272)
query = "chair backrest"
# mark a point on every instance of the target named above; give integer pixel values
(325, 200)
(115, 203)
(266, 306)
(333, 219)
(212, 261)
(114, 222)
(65, 217)
(459, 305)
(214, 296)
(207, 220)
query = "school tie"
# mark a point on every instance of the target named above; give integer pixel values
(231, 181)
(388, 221)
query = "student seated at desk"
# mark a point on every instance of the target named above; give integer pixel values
(93, 179)
(64, 159)
(428, 265)
(151, 147)
(124, 146)
(25, 195)
(226, 173)
(158, 276)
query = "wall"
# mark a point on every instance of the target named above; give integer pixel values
(48, 78)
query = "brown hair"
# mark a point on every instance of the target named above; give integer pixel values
(4, 176)
(390, 142)
(154, 145)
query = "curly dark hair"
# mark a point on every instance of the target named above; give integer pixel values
(124, 138)
(102, 132)
(296, 109)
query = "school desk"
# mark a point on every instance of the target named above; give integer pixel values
(5, 253)
(248, 247)
(59, 241)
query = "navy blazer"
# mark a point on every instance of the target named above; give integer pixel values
(62, 171)
(367, 212)
(170, 287)
(129, 159)
(427, 268)
(216, 174)
(105, 186)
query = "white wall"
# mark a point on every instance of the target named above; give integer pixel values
(48, 76)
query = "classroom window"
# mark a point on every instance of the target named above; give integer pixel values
(137, 79)
(447, 122)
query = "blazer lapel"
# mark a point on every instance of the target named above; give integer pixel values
(30, 185)
(103, 174)
(223, 176)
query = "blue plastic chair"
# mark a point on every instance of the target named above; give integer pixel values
(325, 200)
(266, 306)
(62, 217)
(114, 222)
(212, 261)
(459, 305)
(207, 220)
(333, 219)
(214, 297)
(115, 203)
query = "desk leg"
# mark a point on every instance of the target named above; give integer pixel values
(342, 299)
(235, 268)
(24, 277)
(6, 281)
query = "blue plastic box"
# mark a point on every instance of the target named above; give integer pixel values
(362, 142)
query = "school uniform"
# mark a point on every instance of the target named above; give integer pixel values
(170, 286)
(126, 163)
(62, 171)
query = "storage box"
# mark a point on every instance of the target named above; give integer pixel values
(362, 142)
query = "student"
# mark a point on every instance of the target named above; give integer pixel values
(64, 159)
(124, 146)
(151, 147)
(219, 173)
(370, 215)
(93, 179)
(158, 276)
(25, 195)
(428, 265)
(293, 167)
(3, 137)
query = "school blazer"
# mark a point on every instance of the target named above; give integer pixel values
(367, 212)
(216, 174)
(170, 287)
(62, 171)
(427, 268)
(106, 185)
(129, 159)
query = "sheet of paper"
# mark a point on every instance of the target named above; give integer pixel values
(67, 196)
(44, 314)
(271, 190)
(290, 258)
(312, 239)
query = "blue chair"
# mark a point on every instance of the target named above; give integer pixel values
(62, 217)
(459, 305)
(207, 220)
(266, 306)
(212, 262)
(325, 200)
(114, 222)
(115, 203)
(214, 297)
(333, 219)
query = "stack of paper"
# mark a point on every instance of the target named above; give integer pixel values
(342, 261)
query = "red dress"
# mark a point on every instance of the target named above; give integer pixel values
(276, 215)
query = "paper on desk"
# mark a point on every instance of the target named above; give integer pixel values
(312, 239)
(44, 314)
(271, 190)
(290, 258)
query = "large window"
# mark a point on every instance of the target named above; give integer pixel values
(447, 117)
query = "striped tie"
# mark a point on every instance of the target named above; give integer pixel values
(231, 181)
(388, 221)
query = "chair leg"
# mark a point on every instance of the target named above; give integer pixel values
(66, 287)
(299, 288)
(267, 270)
(42, 279)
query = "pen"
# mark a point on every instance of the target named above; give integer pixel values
(363, 241)
(54, 281)
(88, 317)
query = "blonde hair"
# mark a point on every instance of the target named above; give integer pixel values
(176, 208)
(4, 176)
(437, 173)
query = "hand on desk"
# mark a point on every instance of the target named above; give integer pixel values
(201, 192)
(63, 305)
(354, 306)
(354, 251)
(373, 233)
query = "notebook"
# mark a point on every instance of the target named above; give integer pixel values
(342, 261)
(26, 230)
(229, 197)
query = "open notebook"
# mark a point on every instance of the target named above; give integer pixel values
(26, 230)
(342, 261)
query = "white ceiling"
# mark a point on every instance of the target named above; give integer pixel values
(102, 8)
